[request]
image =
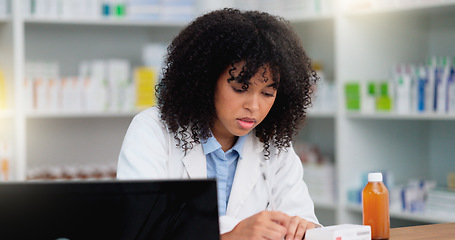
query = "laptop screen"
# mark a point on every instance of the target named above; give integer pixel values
(118, 209)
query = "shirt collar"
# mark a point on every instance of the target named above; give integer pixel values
(211, 144)
(238, 146)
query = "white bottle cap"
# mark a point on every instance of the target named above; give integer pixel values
(375, 177)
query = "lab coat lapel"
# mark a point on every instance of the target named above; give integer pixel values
(195, 162)
(246, 175)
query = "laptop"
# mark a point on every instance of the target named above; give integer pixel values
(117, 209)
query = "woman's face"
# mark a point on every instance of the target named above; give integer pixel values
(240, 110)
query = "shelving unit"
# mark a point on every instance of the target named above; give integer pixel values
(410, 146)
(7, 115)
(409, 116)
(5, 61)
(106, 22)
(424, 7)
(50, 115)
(95, 137)
(416, 217)
(352, 45)
(70, 138)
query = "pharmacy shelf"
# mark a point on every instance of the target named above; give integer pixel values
(311, 17)
(57, 115)
(399, 214)
(435, 6)
(106, 22)
(397, 116)
(410, 146)
(424, 217)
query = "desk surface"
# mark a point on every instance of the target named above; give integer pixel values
(443, 231)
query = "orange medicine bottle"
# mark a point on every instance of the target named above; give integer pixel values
(375, 203)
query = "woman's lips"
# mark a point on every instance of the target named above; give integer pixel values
(246, 123)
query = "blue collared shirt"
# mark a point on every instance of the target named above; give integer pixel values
(222, 165)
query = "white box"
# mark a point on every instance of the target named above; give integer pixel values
(340, 232)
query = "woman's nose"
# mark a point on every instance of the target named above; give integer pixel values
(252, 103)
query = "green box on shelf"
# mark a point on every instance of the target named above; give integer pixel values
(384, 101)
(372, 89)
(384, 89)
(352, 94)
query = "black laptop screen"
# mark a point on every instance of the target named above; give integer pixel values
(168, 209)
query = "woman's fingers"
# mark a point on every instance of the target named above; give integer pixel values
(297, 228)
(292, 229)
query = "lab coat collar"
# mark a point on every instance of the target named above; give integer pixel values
(195, 162)
(246, 175)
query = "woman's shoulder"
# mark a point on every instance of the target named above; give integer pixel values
(149, 117)
(149, 113)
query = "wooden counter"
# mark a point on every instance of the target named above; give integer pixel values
(443, 231)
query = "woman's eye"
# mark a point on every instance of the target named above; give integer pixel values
(268, 94)
(239, 90)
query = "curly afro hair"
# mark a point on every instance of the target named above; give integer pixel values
(217, 40)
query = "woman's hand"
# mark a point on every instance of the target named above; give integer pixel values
(297, 228)
(264, 225)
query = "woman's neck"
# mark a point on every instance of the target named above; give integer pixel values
(226, 142)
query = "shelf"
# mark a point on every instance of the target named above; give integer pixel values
(313, 115)
(106, 22)
(310, 17)
(429, 7)
(42, 115)
(422, 217)
(397, 116)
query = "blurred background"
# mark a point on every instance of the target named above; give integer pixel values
(73, 73)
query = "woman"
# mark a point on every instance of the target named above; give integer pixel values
(234, 92)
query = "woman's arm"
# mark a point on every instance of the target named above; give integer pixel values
(290, 191)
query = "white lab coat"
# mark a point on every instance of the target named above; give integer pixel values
(149, 152)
